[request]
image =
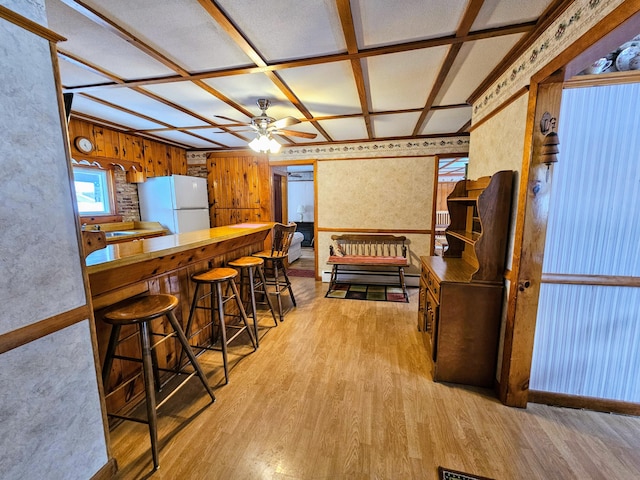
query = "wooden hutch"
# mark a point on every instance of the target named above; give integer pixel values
(461, 292)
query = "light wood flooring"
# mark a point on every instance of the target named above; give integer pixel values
(342, 390)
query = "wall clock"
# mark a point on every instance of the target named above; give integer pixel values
(83, 144)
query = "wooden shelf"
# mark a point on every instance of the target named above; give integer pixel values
(467, 237)
(466, 200)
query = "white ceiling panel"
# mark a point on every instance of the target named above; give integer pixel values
(284, 30)
(446, 121)
(393, 78)
(73, 75)
(497, 13)
(86, 106)
(131, 100)
(187, 139)
(223, 137)
(197, 100)
(396, 125)
(189, 42)
(475, 60)
(87, 40)
(383, 22)
(345, 129)
(247, 89)
(328, 89)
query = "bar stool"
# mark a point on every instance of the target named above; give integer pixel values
(215, 278)
(252, 265)
(275, 270)
(140, 312)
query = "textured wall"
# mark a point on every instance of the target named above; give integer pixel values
(498, 144)
(51, 424)
(127, 202)
(377, 194)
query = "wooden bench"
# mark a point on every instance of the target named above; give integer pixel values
(368, 251)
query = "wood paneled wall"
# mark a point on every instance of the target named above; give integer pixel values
(239, 188)
(139, 156)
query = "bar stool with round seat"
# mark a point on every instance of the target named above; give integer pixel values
(140, 312)
(252, 266)
(215, 278)
(275, 269)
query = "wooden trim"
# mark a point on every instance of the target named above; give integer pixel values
(613, 78)
(600, 280)
(434, 202)
(21, 336)
(108, 471)
(622, 16)
(374, 230)
(546, 19)
(589, 403)
(501, 107)
(30, 25)
(528, 250)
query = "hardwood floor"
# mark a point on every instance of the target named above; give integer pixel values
(342, 390)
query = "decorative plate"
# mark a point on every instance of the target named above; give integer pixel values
(628, 59)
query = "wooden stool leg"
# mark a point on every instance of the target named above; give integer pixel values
(284, 272)
(277, 282)
(187, 350)
(108, 359)
(267, 297)
(223, 329)
(252, 298)
(243, 314)
(147, 374)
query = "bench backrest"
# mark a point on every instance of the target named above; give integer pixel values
(370, 245)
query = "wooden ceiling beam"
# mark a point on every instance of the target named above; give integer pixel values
(111, 26)
(469, 16)
(349, 32)
(239, 38)
(322, 59)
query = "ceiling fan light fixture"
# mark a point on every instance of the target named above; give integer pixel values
(264, 143)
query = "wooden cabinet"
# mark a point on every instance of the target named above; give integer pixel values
(460, 300)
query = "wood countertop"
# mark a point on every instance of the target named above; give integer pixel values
(131, 253)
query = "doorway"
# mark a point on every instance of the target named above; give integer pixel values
(450, 172)
(301, 210)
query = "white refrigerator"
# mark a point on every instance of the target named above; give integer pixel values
(180, 203)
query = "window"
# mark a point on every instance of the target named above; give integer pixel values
(93, 192)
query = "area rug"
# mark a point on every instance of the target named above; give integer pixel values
(379, 293)
(448, 474)
(295, 272)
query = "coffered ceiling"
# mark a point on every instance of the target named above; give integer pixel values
(189, 72)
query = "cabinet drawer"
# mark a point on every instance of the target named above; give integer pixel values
(433, 284)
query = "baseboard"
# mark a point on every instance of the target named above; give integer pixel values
(588, 403)
(108, 471)
(364, 276)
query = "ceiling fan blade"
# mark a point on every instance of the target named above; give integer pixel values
(285, 122)
(293, 133)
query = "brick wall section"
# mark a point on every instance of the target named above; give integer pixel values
(197, 170)
(126, 197)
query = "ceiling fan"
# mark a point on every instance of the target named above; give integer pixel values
(266, 126)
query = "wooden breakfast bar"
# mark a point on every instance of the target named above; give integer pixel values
(159, 265)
